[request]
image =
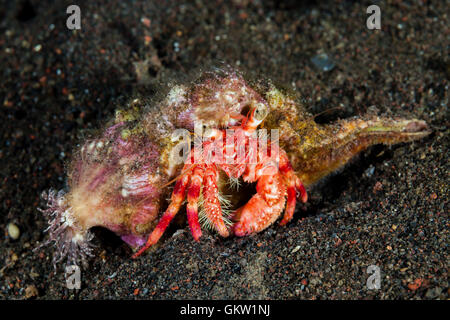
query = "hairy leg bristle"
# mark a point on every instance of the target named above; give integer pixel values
(234, 183)
(225, 204)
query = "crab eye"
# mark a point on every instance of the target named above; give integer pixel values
(261, 111)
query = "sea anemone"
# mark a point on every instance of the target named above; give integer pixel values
(70, 240)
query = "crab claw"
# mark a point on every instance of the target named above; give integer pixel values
(263, 208)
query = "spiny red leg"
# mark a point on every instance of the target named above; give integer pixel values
(175, 204)
(301, 188)
(211, 201)
(293, 184)
(290, 204)
(193, 194)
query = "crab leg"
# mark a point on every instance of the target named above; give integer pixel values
(177, 198)
(211, 200)
(293, 185)
(193, 194)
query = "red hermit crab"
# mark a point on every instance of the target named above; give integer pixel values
(120, 179)
(238, 153)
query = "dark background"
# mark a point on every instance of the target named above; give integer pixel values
(388, 208)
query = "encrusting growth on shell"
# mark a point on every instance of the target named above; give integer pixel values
(70, 240)
(316, 150)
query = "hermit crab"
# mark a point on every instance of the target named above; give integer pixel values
(121, 179)
(238, 153)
